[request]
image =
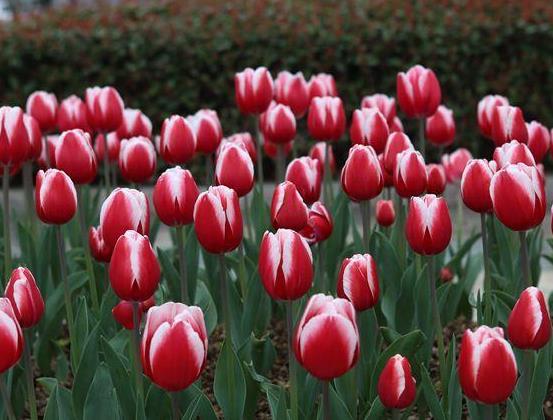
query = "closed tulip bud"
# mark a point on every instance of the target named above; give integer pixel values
(513, 152)
(98, 248)
(55, 197)
(361, 176)
(369, 127)
(137, 159)
(253, 90)
(288, 211)
(396, 385)
(446, 275)
(174, 345)
(175, 194)
(327, 328)
(234, 169)
(385, 213)
(319, 224)
(14, 138)
(410, 174)
(241, 139)
(385, 104)
(124, 209)
(396, 143)
(440, 127)
(436, 179)
(306, 174)
(35, 137)
(218, 220)
(75, 156)
(72, 114)
(11, 336)
(523, 185)
(177, 142)
(508, 124)
(50, 150)
(134, 124)
(428, 226)
(104, 108)
(475, 185)
(123, 312)
(529, 324)
(318, 151)
(418, 92)
(487, 367)
(43, 107)
(322, 84)
(539, 140)
(134, 270)
(454, 164)
(207, 129)
(279, 124)
(396, 126)
(327, 119)
(271, 149)
(358, 281)
(388, 177)
(26, 300)
(291, 90)
(485, 112)
(114, 146)
(285, 265)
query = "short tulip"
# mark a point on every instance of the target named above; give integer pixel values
(529, 324)
(175, 195)
(25, 297)
(485, 112)
(362, 177)
(75, 156)
(177, 142)
(291, 90)
(288, 211)
(428, 226)
(137, 159)
(326, 119)
(475, 185)
(396, 385)
(72, 114)
(123, 312)
(306, 174)
(98, 248)
(104, 108)
(385, 213)
(454, 164)
(234, 169)
(418, 92)
(253, 90)
(135, 123)
(319, 224)
(207, 129)
(410, 174)
(508, 124)
(369, 127)
(279, 124)
(440, 127)
(43, 107)
(539, 140)
(11, 336)
(358, 281)
(55, 197)
(436, 179)
(513, 152)
(385, 104)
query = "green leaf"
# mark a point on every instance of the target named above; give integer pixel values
(206, 303)
(85, 372)
(81, 325)
(101, 401)
(430, 395)
(454, 394)
(59, 405)
(540, 379)
(192, 255)
(230, 384)
(377, 411)
(204, 409)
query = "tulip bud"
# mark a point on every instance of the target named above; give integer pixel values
(454, 164)
(11, 337)
(114, 146)
(218, 220)
(75, 156)
(177, 142)
(475, 185)
(98, 248)
(369, 127)
(134, 124)
(253, 90)
(513, 152)
(418, 92)
(358, 281)
(446, 275)
(538, 140)
(123, 312)
(385, 213)
(306, 174)
(385, 104)
(35, 137)
(440, 127)
(487, 367)
(285, 265)
(321, 84)
(104, 108)
(508, 124)
(25, 297)
(523, 185)
(318, 151)
(529, 324)
(361, 176)
(485, 112)
(396, 143)
(55, 197)
(326, 119)
(319, 224)
(428, 226)
(396, 385)
(291, 90)
(137, 159)
(410, 174)
(43, 107)
(436, 179)
(174, 345)
(175, 194)
(14, 139)
(328, 328)
(134, 270)
(279, 124)
(241, 139)
(72, 114)
(271, 149)
(207, 129)
(234, 169)
(288, 211)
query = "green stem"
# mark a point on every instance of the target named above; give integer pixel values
(6, 400)
(29, 199)
(29, 375)
(247, 218)
(321, 268)
(524, 261)
(396, 414)
(327, 178)
(135, 337)
(185, 297)
(280, 163)
(527, 372)
(422, 141)
(47, 151)
(86, 249)
(7, 230)
(366, 223)
(260, 179)
(242, 273)
(459, 224)
(175, 406)
(326, 401)
(488, 412)
(107, 181)
(292, 376)
(487, 274)
(437, 325)
(225, 298)
(208, 170)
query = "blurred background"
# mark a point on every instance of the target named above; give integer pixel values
(179, 56)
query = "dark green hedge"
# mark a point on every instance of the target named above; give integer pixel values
(177, 58)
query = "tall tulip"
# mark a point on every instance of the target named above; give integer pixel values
(508, 124)
(485, 112)
(291, 90)
(539, 140)
(358, 281)
(177, 142)
(410, 174)
(75, 156)
(321, 84)
(369, 127)
(104, 108)
(396, 385)
(513, 152)
(208, 130)
(306, 173)
(72, 114)
(253, 90)
(234, 169)
(288, 211)
(385, 104)
(440, 127)
(418, 92)
(134, 124)
(43, 106)
(326, 120)
(279, 127)
(137, 159)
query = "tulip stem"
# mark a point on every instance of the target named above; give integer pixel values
(107, 181)
(47, 151)
(260, 179)
(527, 372)
(225, 298)
(487, 277)
(525, 263)
(86, 249)
(280, 163)
(247, 218)
(326, 401)
(67, 296)
(28, 188)
(459, 224)
(366, 222)
(135, 337)
(327, 177)
(396, 414)
(182, 266)
(320, 261)
(6, 214)
(208, 169)
(437, 325)
(6, 400)
(292, 378)
(29, 375)
(175, 405)
(422, 142)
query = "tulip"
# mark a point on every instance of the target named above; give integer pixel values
(361, 176)
(34, 135)
(418, 92)
(241, 139)
(272, 149)
(319, 224)
(436, 179)
(385, 213)
(285, 265)
(14, 138)
(134, 124)
(137, 159)
(440, 127)
(396, 126)
(318, 151)
(279, 124)
(97, 245)
(43, 107)
(508, 124)
(291, 90)
(326, 119)
(74, 155)
(177, 142)
(454, 164)
(369, 127)
(539, 140)
(396, 143)
(388, 177)
(487, 367)
(321, 84)
(428, 227)
(529, 324)
(123, 312)
(207, 129)
(446, 275)
(306, 173)
(11, 337)
(253, 90)
(114, 146)
(513, 152)
(72, 114)
(55, 197)
(410, 174)
(104, 108)
(485, 112)
(234, 169)
(358, 281)
(25, 297)
(47, 157)
(396, 385)
(288, 211)
(385, 104)
(475, 185)
(175, 194)
(174, 345)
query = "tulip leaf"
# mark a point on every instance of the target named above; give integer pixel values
(156, 406)
(101, 401)
(377, 411)
(191, 412)
(230, 384)
(204, 300)
(194, 396)
(512, 413)
(170, 274)
(454, 394)
(81, 326)
(85, 372)
(59, 405)
(540, 379)
(430, 395)
(192, 255)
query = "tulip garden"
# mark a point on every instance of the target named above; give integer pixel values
(196, 273)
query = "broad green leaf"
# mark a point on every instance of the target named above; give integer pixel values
(540, 379)
(430, 395)
(101, 401)
(59, 405)
(206, 303)
(230, 385)
(377, 410)
(85, 372)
